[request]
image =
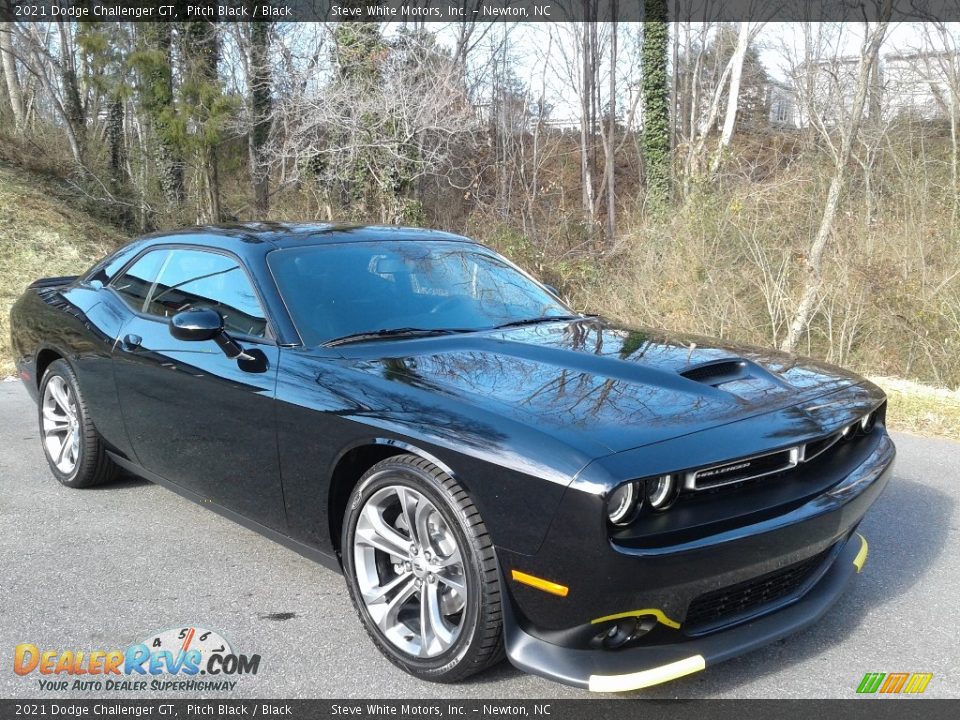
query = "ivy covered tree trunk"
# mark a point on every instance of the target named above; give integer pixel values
(153, 61)
(260, 83)
(656, 112)
(358, 50)
(115, 142)
(203, 102)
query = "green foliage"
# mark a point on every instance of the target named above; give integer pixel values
(656, 112)
(358, 51)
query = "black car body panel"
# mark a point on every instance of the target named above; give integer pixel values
(539, 423)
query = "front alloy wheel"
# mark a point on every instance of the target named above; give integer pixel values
(421, 570)
(409, 569)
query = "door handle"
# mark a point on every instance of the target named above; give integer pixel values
(131, 342)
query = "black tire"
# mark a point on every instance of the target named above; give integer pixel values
(480, 642)
(93, 466)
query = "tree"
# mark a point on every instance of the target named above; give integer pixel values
(207, 109)
(656, 112)
(733, 96)
(69, 87)
(609, 145)
(723, 77)
(153, 62)
(846, 123)
(255, 41)
(45, 59)
(104, 48)
(390, 114)
(9, 62)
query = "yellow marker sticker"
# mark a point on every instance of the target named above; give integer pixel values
(861, 557)
(658, 614)
(540, 584)
(646, 678)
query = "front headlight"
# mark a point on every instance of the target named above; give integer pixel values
(622, 504)
(661, 491)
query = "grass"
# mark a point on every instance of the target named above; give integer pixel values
(41, 235)
(921, 409)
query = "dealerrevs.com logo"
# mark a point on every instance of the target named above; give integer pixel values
(898, 683)
(189, 659)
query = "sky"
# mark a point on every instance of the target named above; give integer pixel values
(543, 55)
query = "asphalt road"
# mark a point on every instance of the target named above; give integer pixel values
(107, 567)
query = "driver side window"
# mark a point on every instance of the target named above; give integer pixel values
(187, 279)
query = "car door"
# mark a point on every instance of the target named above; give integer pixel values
(194, 416)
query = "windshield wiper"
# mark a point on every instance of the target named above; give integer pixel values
(534, 321)
(388, 333)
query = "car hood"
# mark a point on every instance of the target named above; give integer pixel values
(596, 386)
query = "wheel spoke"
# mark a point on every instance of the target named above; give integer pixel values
(54, 427)
(374, 531)
(451, 560)
(60, 395)
(67, 443)
(385, 614)
(435, 637)
(424, 511)
(408, 508)
(50, 414)
(453, 581)
(378, 593)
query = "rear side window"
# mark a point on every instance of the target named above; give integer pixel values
(105, 270)
(195, 278)
(135, 284)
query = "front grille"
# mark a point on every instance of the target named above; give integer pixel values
(720, 606)
(772, 463)
(743, 469)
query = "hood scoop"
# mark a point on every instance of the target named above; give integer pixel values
(730, 370)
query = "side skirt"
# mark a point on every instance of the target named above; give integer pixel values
(328, 561)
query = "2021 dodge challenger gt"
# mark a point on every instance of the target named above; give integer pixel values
(492, 472)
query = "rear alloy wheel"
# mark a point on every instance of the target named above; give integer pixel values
(421, 571)
(73, 448)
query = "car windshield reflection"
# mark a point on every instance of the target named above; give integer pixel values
(373, 291)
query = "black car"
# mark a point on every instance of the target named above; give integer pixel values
(491, 471)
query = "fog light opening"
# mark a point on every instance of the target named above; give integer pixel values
(867, 423)
(625, 631)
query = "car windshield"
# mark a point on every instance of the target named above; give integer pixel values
(340, 291)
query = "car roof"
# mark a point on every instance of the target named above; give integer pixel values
(284, 234)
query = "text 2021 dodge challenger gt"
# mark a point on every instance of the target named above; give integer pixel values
(491, 471)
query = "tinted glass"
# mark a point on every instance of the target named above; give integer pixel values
(194, 278)
(134, 285)
(337, 290)
(104, 270)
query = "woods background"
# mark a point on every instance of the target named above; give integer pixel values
(790, 186)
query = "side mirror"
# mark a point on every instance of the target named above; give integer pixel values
(196, 325)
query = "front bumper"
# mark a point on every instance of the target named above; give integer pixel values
(640, 667)
(548, 635)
